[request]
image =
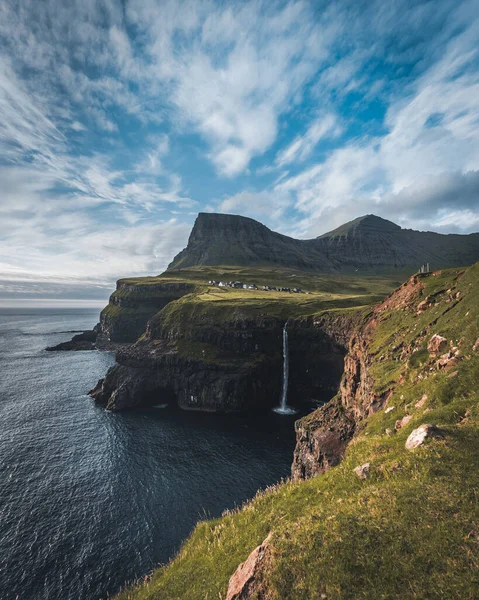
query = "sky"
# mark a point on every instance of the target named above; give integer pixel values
(121, 120)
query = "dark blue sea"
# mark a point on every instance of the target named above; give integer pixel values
(91, 499)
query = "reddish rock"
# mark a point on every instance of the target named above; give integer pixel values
(421, 402)
(246, 580)
(400, 423)
(436, 344)
(476, 345)
(419, 435)
(447, 361)
(424, 305)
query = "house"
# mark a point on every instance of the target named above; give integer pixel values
(222, 284)
(236, 284)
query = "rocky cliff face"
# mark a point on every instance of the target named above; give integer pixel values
(134, 303)
(366, 245)
(199, 359)
(322, 437)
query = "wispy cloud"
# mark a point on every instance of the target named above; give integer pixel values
(120, 119)
(321, 128)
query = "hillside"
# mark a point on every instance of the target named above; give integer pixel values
(366, 245)
(406, 525)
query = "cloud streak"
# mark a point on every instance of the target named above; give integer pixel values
(119, 120)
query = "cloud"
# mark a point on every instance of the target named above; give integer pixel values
(119, 120)
(321, 128)
(423, 169)
(269, 207)
(237, 69)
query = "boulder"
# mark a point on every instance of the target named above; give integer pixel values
(362, 471)
(424, 305)
(245, 582)
(389, 409)
(419, 435)
(476, 345)
(421, 402)
(400, 423)
(447, 361)
(436, 344)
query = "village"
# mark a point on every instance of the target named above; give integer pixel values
(252, 286)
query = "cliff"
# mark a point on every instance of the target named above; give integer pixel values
(221, 350)
(134, 302)
(368, 244)
(393, 511)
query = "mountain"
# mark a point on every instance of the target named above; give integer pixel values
(218, 239)
(367, 244)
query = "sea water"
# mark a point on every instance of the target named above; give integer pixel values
(91, 499)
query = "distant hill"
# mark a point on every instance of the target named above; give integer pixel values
(367, 244)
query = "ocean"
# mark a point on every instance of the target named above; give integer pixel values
(89, 499)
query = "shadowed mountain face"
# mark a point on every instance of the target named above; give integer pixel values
(367, 244)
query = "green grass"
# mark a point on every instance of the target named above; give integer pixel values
(410, 531)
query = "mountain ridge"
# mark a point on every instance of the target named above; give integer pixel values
(368, 244)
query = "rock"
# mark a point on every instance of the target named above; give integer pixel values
(424, 305)
(421, 402)
(362, 471)
(400, 423)
(476, 345)
(453, 374)
(245, 581)
(321, 440)
(447, 361)
(389, 409)
(419, 435)
(390, 432)
(436, 344)
(82, 341)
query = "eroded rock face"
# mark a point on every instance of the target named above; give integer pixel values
(147, 375)
(246, 582)
(321, 440)
(322, 437)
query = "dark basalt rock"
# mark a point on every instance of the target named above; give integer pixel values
(81, 341)
(236, 366)
(368, 244)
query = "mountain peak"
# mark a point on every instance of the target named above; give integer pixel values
(366, 244)
(365, 224)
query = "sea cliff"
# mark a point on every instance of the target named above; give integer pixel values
(384, 474)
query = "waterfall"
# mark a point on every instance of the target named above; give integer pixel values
(283, 408)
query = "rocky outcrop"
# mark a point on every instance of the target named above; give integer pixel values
(246, 582)
(81, 341)
(421, 434)
(367, 244)
(321, 440)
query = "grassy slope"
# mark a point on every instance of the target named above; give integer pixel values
(218, 304)
(409, 531)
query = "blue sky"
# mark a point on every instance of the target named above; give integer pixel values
(121, 120)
